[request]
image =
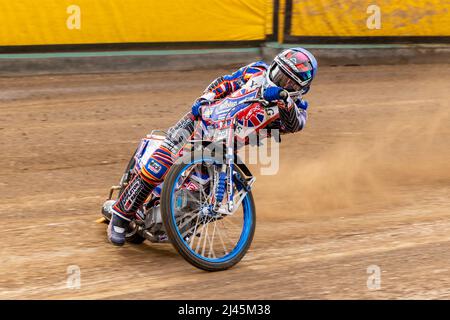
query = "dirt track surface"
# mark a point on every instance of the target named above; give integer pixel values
(367, 183)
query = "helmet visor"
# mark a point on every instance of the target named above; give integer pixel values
(282, 79)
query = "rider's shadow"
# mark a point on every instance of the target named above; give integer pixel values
(163, 249)
(151, 255)
(151, 250)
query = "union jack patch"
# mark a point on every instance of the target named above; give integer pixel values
(254, 117)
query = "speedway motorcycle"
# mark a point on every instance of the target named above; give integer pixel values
(204, 207)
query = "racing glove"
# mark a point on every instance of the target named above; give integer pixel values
(302, 104)
(275, 93)
(196, 109)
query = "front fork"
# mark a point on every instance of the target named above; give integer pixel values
(230, 169)
(225, 184)
(225, 179)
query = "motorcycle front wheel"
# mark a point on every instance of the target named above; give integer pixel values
(209, 241)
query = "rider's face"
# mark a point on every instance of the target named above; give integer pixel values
(281, 79)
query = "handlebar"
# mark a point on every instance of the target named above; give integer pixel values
(264, 103)
(283, 95)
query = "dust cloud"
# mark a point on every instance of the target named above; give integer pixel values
(397, 152)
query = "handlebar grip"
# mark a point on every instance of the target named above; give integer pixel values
(205, 102)
(284, 95)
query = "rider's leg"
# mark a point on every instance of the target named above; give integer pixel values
(137, 191)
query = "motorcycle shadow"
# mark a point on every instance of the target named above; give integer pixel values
(154, 250)
(157, 250)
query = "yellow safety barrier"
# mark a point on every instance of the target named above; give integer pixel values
(348, 18)
(50, 22)
(71, 22)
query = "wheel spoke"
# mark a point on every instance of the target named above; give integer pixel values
(219, 233)
(204, 240)
(211, 247)
(226, 230)
(200, 238)
(194, 234)
(188, 221)
(210, 239)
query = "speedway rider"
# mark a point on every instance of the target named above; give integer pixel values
(292, 70)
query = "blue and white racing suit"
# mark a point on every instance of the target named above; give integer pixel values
(292, 119)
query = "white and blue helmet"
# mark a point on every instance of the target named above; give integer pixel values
(293, 69)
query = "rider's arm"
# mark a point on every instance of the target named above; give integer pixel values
(223, 86)
(293, 115)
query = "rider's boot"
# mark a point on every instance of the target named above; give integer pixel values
(135, 194)
(125, 208)
(117, 228)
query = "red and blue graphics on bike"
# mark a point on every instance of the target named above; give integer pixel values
(228, 107)
(253, 117)
(250, 117)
